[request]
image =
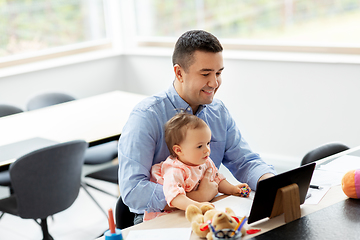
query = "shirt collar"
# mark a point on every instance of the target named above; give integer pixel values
(180, 103)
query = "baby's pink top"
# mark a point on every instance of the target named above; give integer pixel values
(178, 178)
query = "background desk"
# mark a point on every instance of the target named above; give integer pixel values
(314, 218)
(94, 119)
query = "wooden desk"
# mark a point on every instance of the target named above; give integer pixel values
(334, 196)
(91, 119)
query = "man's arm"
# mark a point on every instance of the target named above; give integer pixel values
(136, 150)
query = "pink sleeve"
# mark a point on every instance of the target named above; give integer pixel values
(174, 183)
(218, 177)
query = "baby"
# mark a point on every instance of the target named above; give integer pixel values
(188, 139)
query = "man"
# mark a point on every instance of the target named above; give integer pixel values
(198, 64)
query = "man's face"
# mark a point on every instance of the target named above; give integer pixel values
(200, 82)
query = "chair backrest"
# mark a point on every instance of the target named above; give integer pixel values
(323, 151)
(47, 181)
(48, 99)
(123, 217)
(6, 110)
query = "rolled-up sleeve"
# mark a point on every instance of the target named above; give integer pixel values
(174, 184)
(136, 150)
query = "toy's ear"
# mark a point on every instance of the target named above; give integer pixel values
(230, 212)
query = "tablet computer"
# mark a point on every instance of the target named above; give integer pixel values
(266, 190)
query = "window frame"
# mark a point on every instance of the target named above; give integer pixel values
(257, 46)
(53, 53)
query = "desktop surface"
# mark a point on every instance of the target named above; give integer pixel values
(92, 119)
(12, 151)
(338, 221)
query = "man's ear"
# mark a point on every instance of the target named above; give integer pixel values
(178, 72)
(177, 150)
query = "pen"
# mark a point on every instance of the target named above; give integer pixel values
(211, 226)
(241, 225)
(315, 187)
(242, 219)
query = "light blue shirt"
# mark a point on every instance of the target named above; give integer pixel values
(142, 145)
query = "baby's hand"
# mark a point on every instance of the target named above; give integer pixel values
(243, 190)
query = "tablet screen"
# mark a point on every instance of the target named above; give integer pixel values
(266, 190)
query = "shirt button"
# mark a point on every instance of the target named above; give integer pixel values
(179, 185)
(200, 167)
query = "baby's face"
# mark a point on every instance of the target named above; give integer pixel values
(196, 146)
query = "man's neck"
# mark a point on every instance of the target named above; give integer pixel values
(178, 90)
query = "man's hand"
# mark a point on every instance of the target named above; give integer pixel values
(207, 189)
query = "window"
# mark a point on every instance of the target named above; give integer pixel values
(32, 30)
(302, 25)
(51, 27)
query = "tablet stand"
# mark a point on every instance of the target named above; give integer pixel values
(287, 201)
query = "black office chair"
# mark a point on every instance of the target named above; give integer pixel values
(323, 151)
(45, 181)
(109, 174)
(99, 154)
(6, 110)
(123, 217)
(48, 99)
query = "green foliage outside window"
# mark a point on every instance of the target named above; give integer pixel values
(33, 25)
(295, 20)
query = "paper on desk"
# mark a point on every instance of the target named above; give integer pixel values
(342, 164)
(324, 178)
(160, 234)
(332, 172)
(316, 194)
(240, 205)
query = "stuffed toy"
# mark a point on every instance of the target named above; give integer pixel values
(219, 220)
(350, 184)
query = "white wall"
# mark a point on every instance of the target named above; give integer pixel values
(284, 109)
(80, 80)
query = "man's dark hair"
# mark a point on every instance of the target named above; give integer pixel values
(191, 41)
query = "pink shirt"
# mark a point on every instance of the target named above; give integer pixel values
(178, 178)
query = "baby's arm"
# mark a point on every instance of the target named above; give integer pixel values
(174, 190)
(181, 201)
(229, 189)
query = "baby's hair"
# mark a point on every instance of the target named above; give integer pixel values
(177, 126)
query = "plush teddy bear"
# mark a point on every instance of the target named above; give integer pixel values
(219, 220)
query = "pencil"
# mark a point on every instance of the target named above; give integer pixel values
(237, 226)
(241, 225)
(111, 221)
